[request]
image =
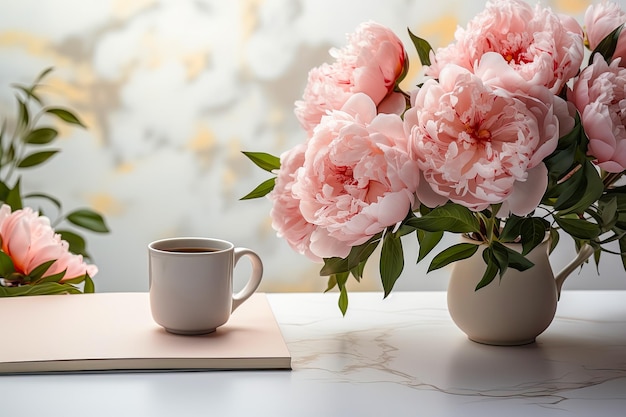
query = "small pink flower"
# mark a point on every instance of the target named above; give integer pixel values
(286, 217)
(543, 48)
(357, 178)
(30, 241)
(371, 63)
(477, 145)
(599, 94)
(602, 19)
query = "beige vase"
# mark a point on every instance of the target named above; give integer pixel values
(513, 310)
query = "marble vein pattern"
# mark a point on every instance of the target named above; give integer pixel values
(409, 340)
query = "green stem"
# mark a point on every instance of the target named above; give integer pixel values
(20, 145)
(487, 222)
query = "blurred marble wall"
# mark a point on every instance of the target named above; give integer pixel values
(173, 91)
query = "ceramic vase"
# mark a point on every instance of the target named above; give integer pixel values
(514, 309)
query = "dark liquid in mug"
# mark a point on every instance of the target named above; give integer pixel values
(191, 250)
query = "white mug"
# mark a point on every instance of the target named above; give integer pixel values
(191, 283)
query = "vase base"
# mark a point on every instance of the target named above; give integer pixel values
(502, 343)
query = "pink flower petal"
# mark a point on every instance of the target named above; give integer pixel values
(30, 241)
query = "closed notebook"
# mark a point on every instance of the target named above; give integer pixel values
(115, 331)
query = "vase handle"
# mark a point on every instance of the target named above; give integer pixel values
(583, 254)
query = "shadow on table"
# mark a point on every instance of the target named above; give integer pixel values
(546, 368)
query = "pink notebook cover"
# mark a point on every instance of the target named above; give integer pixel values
(115, 331)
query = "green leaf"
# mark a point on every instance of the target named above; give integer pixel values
(65, 115)
(578, 228)
(357, 271)
(512, 229)
(533, 232)
(402, 75)
(261, 190)
(405, 229)
(563, 157)
(357, 255)
(391, 262)
(619, 193)
(75, 280)
(587, 190)
(490, 272)
(424, 210)
(42, 75)
(609, 214)
(607, 46)
(29, 91)
(6, 265)
(340, 279)
(36, 158)
(501, 256)
(561, 161)
(336, 265)
(51, 278)
(8, 155)
(452, 254)
(89, 287)
(41, 136)
(518, 261)
(77, 243)
(14, 197)
(554, 239)
(88, 219)
(23, 114)
(46, 288)
(4, 191)
(343, 301)
(38, 271)
(332, 283)
(264, 160)
(427, 242)
(570, 191)
(422, 47)
(449, 217)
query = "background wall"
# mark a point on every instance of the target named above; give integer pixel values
(172, 91)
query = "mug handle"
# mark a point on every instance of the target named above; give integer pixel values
(255, 277)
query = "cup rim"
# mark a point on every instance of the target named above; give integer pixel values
(162, 245)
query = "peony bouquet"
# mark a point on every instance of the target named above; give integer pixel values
(517, 131)
(34, 258)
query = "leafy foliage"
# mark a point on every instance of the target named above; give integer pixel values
(422, 47)
(580, 199)
(26, 147)
(607, 46)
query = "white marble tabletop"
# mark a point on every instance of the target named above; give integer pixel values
(401, 356)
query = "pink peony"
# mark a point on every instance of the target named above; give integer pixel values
(602, 19)
(30, 241)
(543, 48)
(372, 61)
(357, 177)
(286, 217)
(599, 94)
(477, 145)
